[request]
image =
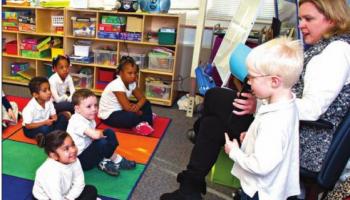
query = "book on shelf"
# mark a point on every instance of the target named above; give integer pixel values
(27, 74)
(43, 42)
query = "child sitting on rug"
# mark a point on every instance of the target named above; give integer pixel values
(61, 175)
(95, 147)
(9, 112)
(61, 84)
(39, 115)
(117, 110)
(267, 164)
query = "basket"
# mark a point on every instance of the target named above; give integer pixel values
(160, 62)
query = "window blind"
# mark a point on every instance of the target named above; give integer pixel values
(217, 10)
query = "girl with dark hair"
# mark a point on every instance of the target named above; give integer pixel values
(61, 84)
(117, 110)
(62, 166)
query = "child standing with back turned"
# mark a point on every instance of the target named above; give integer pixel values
(117, 110)
(95, 147)
(61, 175)
(267, 164)
(61, 83)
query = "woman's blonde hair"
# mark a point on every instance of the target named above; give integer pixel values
(336, 10)
(281, 57)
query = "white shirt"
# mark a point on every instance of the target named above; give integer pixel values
(325, 76)
(268, 161)
(33, 112)
(59, 88)
(76, 128)
(108, 101)
(58, 181)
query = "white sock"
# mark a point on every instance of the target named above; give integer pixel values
(116, 158)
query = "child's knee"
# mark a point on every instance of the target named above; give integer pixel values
(110, 136)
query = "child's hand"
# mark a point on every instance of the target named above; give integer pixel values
(49, 122)
(139, 113)
(134, 107)
(242, 136)
(99, 134)
(230, 144)
(11, 114)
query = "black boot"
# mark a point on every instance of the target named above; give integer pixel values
(190, 189)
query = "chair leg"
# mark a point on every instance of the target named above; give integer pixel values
(312, 192)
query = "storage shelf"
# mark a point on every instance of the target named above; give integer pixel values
(145, 22)
(164, 102)
(17, 82)
(21, 7)
(23, 57)
(94, 65)
(41, 34)
(149, 71)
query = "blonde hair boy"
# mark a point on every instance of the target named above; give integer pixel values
(267, 163)
(281, 57)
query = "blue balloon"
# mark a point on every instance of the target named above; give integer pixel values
(238, 57)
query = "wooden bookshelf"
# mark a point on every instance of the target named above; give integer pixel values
(150, 23)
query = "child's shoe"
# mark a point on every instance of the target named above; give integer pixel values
(144, 128)
(123, 163)
(109, 167)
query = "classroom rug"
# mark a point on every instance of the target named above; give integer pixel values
(132, 147)
(10, 130)
(21, 101)
(11, 184)
(16, 163)
(18, 169)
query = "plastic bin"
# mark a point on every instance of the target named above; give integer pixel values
(56, 51)
(105, 75)
(84, 27)
(166, 38)
(157, 89)
(11, 47)
(82, 80)
(140, 59)
(81, 50)
(160, 62)
(48, 69)
(105, 57)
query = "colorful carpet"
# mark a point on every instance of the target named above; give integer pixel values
(19, 172)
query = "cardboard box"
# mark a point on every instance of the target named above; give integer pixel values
(134, 24)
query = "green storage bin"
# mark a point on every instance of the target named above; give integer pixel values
(113, 19)
(48, 69)
(221, 172)
(166, 38)
(36, 54)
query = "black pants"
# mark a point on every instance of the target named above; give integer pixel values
(126, 119)
(64, 106)
(217, 118)
(60, 124)
(89, 193)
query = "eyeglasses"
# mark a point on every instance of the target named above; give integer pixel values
(250, 77)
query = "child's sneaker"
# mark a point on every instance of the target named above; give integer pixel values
(144, 128)
(124, 163)
(109, 167)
